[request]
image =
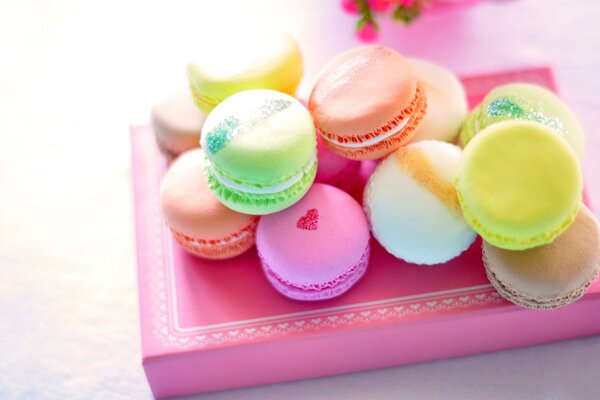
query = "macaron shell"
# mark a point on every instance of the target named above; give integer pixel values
(523, 101)
(552, 271)
(326, 293)
(190, 208)
(221, 249)
(250, 61)
(317, 239)
(177, 123)
(412, 206)
(446, 102)
(274, 140)
(361, 90)
(519, 184)
(470, 127)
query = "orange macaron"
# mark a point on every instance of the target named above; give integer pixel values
(367, 102)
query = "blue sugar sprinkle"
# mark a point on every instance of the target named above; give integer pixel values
(218, 137)
(505, 107)
(230, 127)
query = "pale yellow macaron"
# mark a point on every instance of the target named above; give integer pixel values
(261, 60)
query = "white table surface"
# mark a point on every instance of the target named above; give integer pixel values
(74, 74)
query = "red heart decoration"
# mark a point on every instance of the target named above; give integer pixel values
(310, 220)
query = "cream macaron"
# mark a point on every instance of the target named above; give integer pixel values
(413, 207)
(446, 102)
(177, 123)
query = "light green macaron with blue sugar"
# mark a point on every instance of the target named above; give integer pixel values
(260, 148)
(524, 101)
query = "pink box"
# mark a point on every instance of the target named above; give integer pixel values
(210, 325)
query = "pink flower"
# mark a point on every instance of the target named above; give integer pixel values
(350, 6)
(406, 3)
(380, 6)
(368, 33)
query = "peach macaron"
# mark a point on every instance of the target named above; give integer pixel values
(199, 222)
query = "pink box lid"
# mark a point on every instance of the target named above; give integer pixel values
(188, 304)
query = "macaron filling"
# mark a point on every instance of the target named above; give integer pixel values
(277, 188)
(380, 141)
(370, 142)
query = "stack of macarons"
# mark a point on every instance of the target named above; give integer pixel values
(251, 179)
(276, 172)
(519, 184)
(255, 61)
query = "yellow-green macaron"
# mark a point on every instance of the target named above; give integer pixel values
(252, 61)
(519, 184)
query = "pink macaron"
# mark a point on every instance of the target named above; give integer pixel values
(316, 249)
(336, 170)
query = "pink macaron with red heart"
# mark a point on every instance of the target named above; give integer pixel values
(316, 249)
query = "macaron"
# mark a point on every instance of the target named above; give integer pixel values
(316, 249)
(265, 60)
(176, 123)
(552, 275)
(367, 102)
(413, 207)
(446, 102)
(519, 184)
(524, 101)
(198, 221)
(336, 170)
(261, 151)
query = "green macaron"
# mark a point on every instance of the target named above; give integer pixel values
(523, 101)
(260, 148)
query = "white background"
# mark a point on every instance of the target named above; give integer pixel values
(74, 74)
